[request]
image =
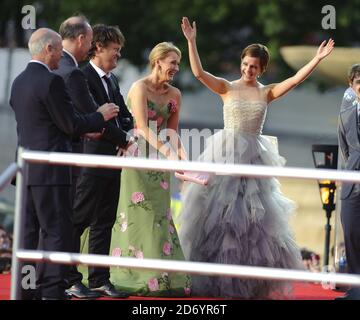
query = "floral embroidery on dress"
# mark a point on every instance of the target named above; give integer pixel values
(171, 229)
(160, 283)
(165, 281)
(153, 284)
(139, 254)
(187, 289)
(133, 252)
(122, 222)
(151, 113)
(155, 175)
(168, 214)
(159, 121)
(137, 197)
(167, 248)
(116, 252)
(164, 184)
(138, 200)
(123, 226)
(172, 106)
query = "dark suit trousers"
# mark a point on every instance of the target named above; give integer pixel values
(77, 147)
(95, 206)
(350, 219)
(48, 227)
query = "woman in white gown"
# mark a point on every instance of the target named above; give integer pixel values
(234, 220)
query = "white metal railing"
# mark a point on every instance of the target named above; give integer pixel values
(258, 171)
(7, 175)
(199, 268)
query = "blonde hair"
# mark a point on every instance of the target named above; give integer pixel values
(161, 51)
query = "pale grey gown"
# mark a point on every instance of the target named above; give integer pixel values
(236, 220)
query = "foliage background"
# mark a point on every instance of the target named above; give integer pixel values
(225, 27)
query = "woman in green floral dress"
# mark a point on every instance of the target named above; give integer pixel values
(144, 227)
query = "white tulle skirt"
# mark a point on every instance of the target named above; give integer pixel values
(242, 221)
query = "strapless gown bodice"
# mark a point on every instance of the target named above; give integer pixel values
(245, 116)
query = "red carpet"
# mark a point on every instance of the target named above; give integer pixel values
(302, 291)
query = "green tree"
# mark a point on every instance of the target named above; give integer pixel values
(225, 26)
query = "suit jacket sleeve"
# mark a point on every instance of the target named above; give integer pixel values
(342, 141)
(84, 102)
(79, 92)
(62, 112)
(115, 135)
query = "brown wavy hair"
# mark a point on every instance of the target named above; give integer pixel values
(354, 72)
(103, 35)
(257, 50)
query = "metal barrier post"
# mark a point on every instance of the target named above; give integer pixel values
(7, 175)
(19, 225)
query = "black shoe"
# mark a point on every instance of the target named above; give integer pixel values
(64, 296)
(78, 290)
(108, 290)
(352, 294)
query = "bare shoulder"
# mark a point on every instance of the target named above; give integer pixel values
(174, 92)
(138, 87)
(267, 87)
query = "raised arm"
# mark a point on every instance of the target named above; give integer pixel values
(218, 85)
(279, 89)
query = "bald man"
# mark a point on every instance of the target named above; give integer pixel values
(46, 122)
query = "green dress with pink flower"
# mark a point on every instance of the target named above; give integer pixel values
(144, 227)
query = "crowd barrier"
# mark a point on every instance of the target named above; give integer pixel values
(25, 157)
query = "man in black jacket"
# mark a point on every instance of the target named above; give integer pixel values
(77, 34)
(46, 122)
(349, 143)
(97, 190)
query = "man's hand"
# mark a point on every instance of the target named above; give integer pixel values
(109, 111)
(93, 135)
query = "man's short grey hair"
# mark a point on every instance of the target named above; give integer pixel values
(38, 43)
(72, 27)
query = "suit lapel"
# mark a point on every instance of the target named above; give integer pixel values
(98, 83)
(357, 119)
(353, 120)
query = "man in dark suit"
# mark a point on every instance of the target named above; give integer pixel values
(349, 142)
(97, 190)
(46, 122)
(77, 34)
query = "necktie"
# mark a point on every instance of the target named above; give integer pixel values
(110, 94)
(110, 89)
